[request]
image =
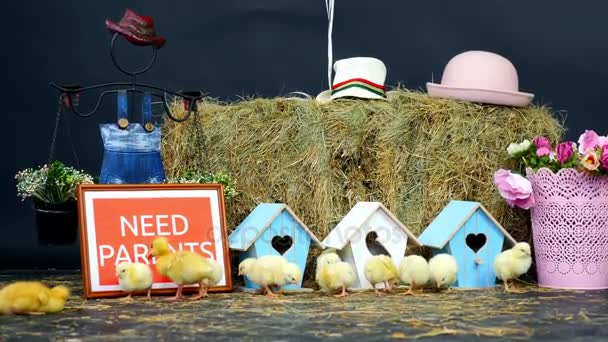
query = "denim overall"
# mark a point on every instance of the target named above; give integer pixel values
(131, 155)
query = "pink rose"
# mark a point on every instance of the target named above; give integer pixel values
(588, 141)
(543, 146)
(514, 188)
(590, 161)
(565, 151)
(605, 157)
(602, 141)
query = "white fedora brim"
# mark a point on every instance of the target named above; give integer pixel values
(496, 97)
(326, 96)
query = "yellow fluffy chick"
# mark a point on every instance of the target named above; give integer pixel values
(512, 263)
(414, 271)
(381, 269)
(443, 269)
(185, 268)
(270, 270)
(58, 295)
(33, 298)
(333, 273)
(134, 277)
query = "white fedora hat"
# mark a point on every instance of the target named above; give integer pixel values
(361, 77)
(483, 77)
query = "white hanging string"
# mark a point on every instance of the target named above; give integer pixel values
(329, 6)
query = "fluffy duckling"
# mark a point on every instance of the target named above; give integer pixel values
(32, 298)
(381, 269)
(185, 268)
(270, 270)
(414, 271)
(333, 273)
(512, 263)
(134, 277)
(58, 295)
(443, 270)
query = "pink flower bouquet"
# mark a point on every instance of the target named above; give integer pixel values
(587, 156)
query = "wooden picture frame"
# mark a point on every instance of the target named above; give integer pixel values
(119, 232)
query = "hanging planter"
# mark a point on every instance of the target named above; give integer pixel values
(57, 224)
(566, 191)
(53, 192)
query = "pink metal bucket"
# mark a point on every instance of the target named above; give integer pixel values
(570, 229)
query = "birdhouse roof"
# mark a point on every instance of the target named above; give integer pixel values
(357, 217)
(451, 219)
(258, 221)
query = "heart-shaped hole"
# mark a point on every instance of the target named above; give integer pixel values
(476, 241)
(373, 246)
(282, 243)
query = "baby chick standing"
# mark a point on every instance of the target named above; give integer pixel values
(185, 268)
(414, 271)
(134, 277)
(443, 269)
(32, 298)
(270, 270)
(512, 263)
(381, 269)
(333, 273)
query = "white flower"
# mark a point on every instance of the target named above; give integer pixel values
(515, 148)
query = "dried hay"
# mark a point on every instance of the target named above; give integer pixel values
(413, 153)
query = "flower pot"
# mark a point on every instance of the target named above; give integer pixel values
(570, 229)
(57, 224)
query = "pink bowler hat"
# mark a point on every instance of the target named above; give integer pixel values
(480, 76)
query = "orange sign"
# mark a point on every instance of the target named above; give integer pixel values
(119, 222)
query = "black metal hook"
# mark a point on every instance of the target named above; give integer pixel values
(123, 70)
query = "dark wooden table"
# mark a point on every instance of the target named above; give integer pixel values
(538, 314)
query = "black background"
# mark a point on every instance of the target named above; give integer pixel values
(231, 48)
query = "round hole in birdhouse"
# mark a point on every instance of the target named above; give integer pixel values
(476, 241)
(373, 246)
(282, 243)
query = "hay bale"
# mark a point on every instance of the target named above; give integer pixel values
(413, 153)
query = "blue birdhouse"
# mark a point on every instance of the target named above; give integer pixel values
(273, 229)
(467, 231)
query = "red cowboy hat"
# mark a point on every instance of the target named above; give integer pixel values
(138, 29)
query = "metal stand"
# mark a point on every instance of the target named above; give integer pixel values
(70, 92)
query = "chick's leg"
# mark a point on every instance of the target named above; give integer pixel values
(410, 290)
(387, 286)
(202, 290)
(128, 298)
(343, 294)
(269, 292)
(514, 289)
(149, 294)
(178, 294)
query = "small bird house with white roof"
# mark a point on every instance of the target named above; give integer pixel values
(273, 229)
(467, 231)
(369, 229)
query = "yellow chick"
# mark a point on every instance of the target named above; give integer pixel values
(381, 269)
(270, 270)
(33, 298)
(443, 270)
(134, 277)
(246, 265)
(512, 263)
(58, 295)
(333, 274)
(185, 268)
(414, 271)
